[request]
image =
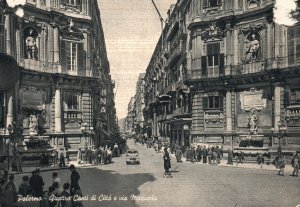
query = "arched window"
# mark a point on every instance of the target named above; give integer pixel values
(72, 102)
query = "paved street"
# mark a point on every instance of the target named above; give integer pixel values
(191, 185)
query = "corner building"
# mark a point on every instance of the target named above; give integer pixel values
(61, 94)
(244, 76)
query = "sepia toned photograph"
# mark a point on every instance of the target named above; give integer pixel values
(149, 103)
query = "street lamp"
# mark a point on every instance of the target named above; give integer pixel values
(280, 134)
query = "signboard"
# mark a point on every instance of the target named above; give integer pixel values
(253, 99)
(33, 98)
(185, 127)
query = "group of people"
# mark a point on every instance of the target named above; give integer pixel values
(101, 155)
(210, 155)
(34, 186)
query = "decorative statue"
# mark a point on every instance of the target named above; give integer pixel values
(252, 122)
(31, 45)
(252, 49)
(33, 125)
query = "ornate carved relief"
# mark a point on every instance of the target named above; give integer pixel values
(71, 32)
(31, 48)
(213, 32)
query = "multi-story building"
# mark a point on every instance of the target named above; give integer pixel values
(139, 105)
(130, 116)
(64, 77)
(167, 98)
(224, 73)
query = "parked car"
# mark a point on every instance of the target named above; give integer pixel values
(132, 156)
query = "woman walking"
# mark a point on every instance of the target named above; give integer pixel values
(167, 163)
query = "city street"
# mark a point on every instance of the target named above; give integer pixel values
(191, 185)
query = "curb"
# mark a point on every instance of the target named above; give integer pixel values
(41, 170)
(235, 166)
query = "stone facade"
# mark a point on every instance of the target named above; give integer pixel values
(229, 73)
(65, 81)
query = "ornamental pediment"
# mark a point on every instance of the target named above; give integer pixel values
(71, 32)
(213, 32)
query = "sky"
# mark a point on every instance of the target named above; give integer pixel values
(131, 29)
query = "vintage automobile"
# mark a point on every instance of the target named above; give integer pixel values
(132, 156)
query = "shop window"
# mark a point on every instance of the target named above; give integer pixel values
(213, 102)
(2, 36)
(213, 63)
(294, 44)
(211, 3)
(72, 102)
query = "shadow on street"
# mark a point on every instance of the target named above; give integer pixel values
(114, 189)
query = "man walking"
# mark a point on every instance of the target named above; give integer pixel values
(74, 180)
(36, 183)
(295, 164)
(204, 152)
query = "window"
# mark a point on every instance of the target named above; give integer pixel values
(2, 36)
(72, 55)
(72, 102)
(73, 3)
(211, 3)
(294, 44)
(213, 102)
(213, 61)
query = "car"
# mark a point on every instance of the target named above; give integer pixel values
(132, 157)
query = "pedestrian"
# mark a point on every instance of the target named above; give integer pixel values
(36, 183)
(230, 157)
(55, 178)
(62, 158)
(74, 180)
(10, 192)
(281, 164)
(167, 161)
(115, 150)
(24, 188)
(260, 160)
(240, 157)
(178, 153)
(66, 202)
(193, 154)
(109, 155)
(214, 157)
(295, 164)
(199, 153)
(55, 157)
(2, 190)
(204, 153)
(79, 156)
(209, 155)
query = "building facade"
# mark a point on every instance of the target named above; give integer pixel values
(129, 121)
(224, 73)
(139, 106)
(64, 80)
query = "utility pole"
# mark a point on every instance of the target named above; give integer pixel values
(162, 21)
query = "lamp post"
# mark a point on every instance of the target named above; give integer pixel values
(280, 134)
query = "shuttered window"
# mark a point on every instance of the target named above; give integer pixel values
(72, 55)
(211, 3)
(2, 36)
(214, 59)
(294, 44)
(213, 102)
(72, 101)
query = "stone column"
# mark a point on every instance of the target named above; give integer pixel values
(236, 47)
(277, 100)
(10, 108)
(228, 111)
(58, 112)
(56, 45)
(8, 34)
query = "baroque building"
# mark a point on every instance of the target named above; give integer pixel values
(64, 93)
(139, 106)
(224, 73)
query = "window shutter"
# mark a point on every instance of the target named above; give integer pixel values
(63, 57)
(205, 3)
(204, 65)
(81, 60)
(222, 64)
(205, 102)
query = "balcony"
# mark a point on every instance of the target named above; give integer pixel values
(72, 117)
(242, 69)
(170, 88)
(181, 111)
(40, 66)
(175, 52)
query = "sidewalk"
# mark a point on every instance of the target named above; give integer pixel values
(288, 168)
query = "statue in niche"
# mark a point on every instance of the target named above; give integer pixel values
(33, 125)
(31, 47)
(252, 48)
(252, 122)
